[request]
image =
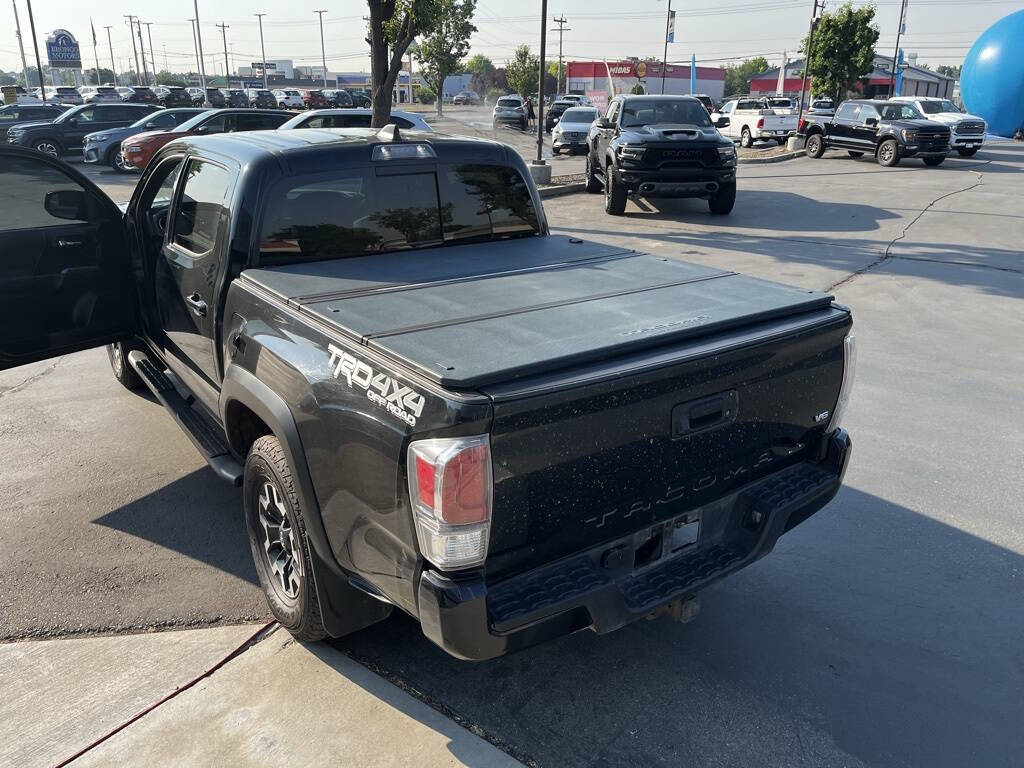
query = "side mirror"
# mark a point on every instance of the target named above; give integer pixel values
(604, 122)
(72, 121)
(722, 122)
(871, 122)
(70, 204)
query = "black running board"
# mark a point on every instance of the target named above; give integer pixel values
(207, 438)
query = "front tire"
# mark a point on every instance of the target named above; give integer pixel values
(593, 184)
(277, 537)
(47, 147)
(933, 162)
(746, 140)
(724, 200)
(614, 193)
(123, 371)
(116, 160)
(889, 153)
(814, 147)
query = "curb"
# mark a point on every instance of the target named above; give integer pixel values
(773, 159)
(558, 190)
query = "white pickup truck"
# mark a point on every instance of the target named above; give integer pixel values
(752, 118)
(966, 132)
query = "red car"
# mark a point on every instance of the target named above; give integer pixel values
(315, 100)
(139, 149)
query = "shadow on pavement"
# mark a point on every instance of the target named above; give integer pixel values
(872, 635)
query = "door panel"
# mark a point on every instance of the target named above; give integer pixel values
(65, 279)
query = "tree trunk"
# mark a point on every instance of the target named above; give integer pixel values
(439, 92)
(384, 71)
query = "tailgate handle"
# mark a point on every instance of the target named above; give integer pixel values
(705, 414)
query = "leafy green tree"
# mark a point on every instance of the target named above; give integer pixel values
(169, 78)
(949, 71)
(443, 48)
(844, 50)
(391, 29)
(737, 75)
(523, 72)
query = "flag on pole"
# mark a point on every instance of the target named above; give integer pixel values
(93, 32)
(671, 27)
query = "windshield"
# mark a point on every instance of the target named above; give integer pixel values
(654, 112)
(579, 115)
(900, 112)
(935, 107)
(508, 102)
(72, 112)
(356, 211)
(783, 103)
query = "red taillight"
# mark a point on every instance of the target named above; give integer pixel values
(802, 124)
(760, 122)
(465, 487)
(425, 482)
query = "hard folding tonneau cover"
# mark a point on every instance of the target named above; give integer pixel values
(472, 315)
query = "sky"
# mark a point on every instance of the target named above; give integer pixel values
(718, 32)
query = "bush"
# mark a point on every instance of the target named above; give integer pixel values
(638, 90)
(426, 95)
(493, 94)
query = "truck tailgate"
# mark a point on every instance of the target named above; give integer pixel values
(476, 315)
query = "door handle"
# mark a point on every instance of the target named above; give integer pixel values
(196, 304)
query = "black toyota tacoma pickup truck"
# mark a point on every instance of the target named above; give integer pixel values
(660, 146)
(887, 130)
(428, 400)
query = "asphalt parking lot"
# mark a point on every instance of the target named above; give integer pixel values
(886, 631)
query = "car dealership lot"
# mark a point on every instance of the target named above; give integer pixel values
(885, 631)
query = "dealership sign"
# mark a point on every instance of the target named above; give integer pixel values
(62, 50)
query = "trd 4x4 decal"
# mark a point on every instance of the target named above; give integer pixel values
(382, 390)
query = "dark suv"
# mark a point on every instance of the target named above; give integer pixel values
(261, 99)
(141, 95)
(359, 98)
(235, 98)
(15, 114)
(174, 96)
(338, 98)
(64, 136)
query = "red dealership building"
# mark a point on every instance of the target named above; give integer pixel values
(587, 76)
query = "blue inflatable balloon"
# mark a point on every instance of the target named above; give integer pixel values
(992, 80)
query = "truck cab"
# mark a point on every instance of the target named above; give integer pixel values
(429, 402)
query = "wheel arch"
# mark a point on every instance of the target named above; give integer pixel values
(249, 406)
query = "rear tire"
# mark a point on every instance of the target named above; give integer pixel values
(614, 193)
(814, 147)
(593, 184)
(277, 537)
(889, 153)
(854, 154)
(933, 162)
(967, 152)
(746, 140)
(724, 200)
(123, 371)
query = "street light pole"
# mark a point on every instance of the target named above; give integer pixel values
(113, 67)
(142, 48)
(664, 57)
(199, 51)
(562, 87)
(263, 52)
(152, 53)
(35, 45)
(896, 52)
(21, 46)
(135, 50)
(323, 53)
(540, 87)
(807, 57)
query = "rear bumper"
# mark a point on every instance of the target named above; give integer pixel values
(591, 590)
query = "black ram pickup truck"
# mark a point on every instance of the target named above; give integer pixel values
(887, 130)
(428, 401)
(660, 146)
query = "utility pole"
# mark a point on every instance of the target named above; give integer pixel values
(152, 53)
(21, 47)
(114, 67)
(664, 58)
(263, 52)
(561, 22)
(323, 53)
(896, 52)
(817, 6)
(135, 51)
(142, 51)
(35, 45)
(95, 54)
(224, 35)
(199, 55)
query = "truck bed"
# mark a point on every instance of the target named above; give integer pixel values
(474, 315)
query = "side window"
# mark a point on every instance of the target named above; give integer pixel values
(8, 115)
(728, 107)
(214, 125)
(199, 210)
(87, 115)
(165, 191)
(848, 111)
(866, 113)
(165, 120)
(613, 111)
(31, 194)
(401, 122)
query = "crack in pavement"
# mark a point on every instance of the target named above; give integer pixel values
(887, 254)
(31, 379)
